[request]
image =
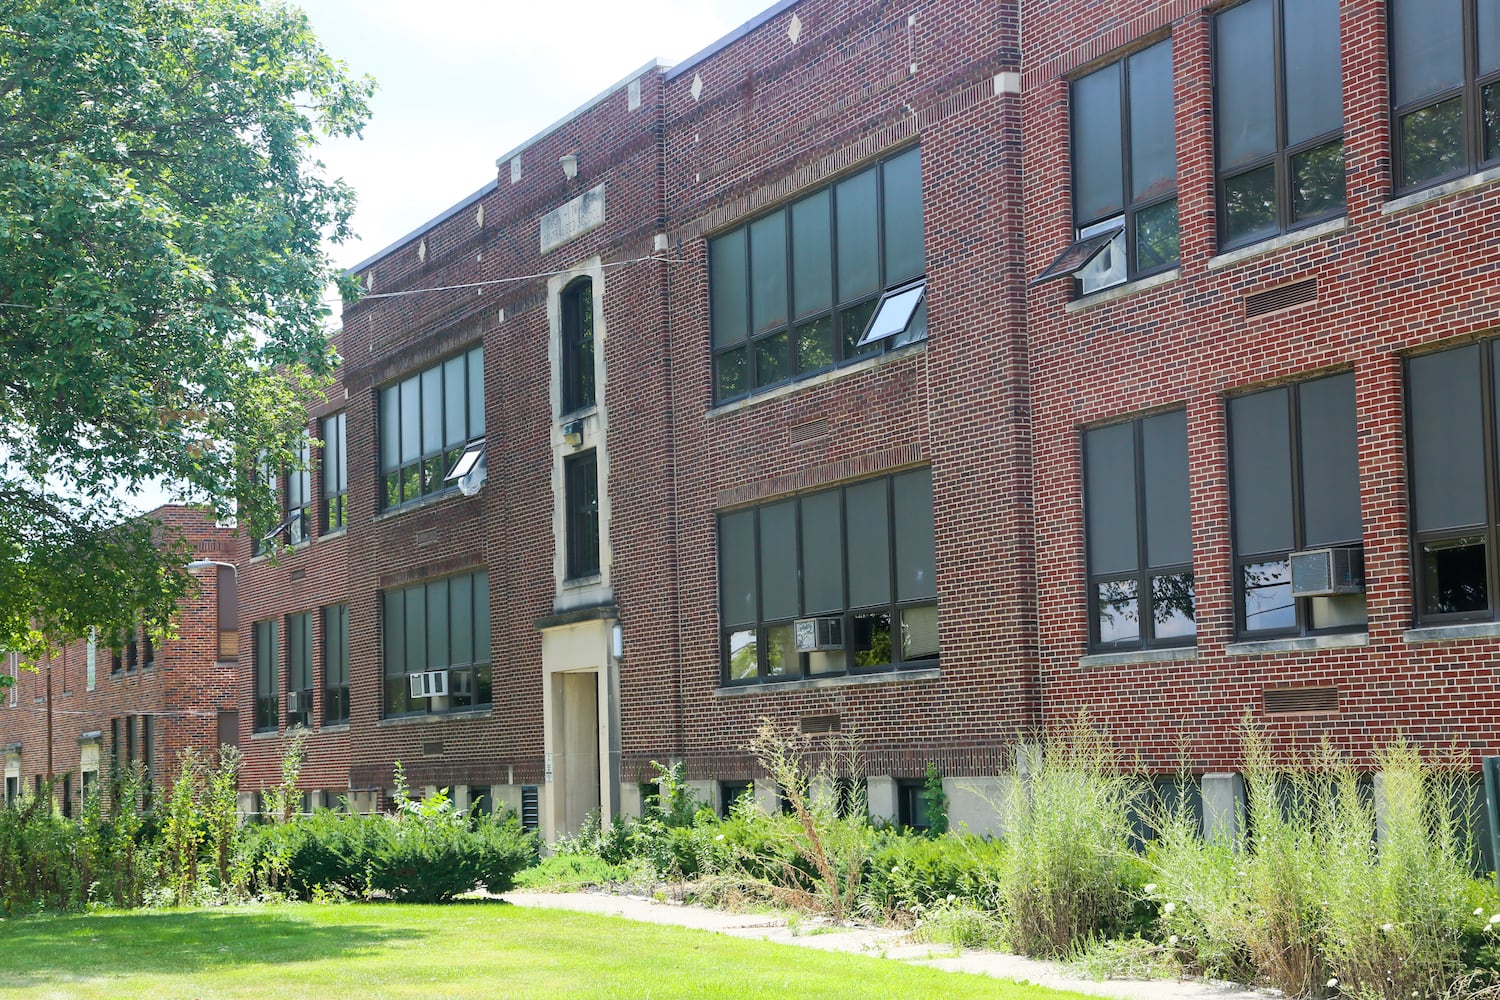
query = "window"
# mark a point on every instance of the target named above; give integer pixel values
(581, 496)
(132, 653)
(265, 471)
(295, 499)
(426, 423)
(336, 664)
(442, 626)
(298, 496)
(299, 672)
(578, 345)
(1139, 543)
(1445, 88)
(335, 473)
(912, 804)
(794, 292)
(1124, 147)
(731, 792)
(1294, 483)
(854, 564)
(1451, 442)
(267, 682)
(1278, 116)
(148, 649)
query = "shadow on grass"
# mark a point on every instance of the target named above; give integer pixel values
(62, 948)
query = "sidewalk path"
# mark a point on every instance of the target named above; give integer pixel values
(881, 941)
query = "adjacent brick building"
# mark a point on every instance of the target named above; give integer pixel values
(877, 370)
(144, 702)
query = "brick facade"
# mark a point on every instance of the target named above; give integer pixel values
(994, 403)
(182, 690)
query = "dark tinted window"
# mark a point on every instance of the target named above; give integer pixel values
(1097, 145)
(1110, 475)
(1447, 434)
(1262, 459)
(1330, 466)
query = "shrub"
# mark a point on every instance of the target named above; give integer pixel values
(1069, 819)
(909, 873)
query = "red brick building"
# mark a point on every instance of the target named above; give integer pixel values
(146, 701)
(1283, 349)
(870, 372)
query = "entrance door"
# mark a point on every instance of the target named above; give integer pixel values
(580, 747)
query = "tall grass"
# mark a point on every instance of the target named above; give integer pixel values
(1067, 811)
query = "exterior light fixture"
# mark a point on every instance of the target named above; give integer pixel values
(573, 433)
(569, 163)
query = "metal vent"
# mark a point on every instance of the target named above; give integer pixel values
(428, 536)
(432, 749)
(821, 723)
(1291, 700)
(1275, 299)
(810, 431)
(531, 815)
(297, 574)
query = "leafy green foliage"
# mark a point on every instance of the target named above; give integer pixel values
(161, 283)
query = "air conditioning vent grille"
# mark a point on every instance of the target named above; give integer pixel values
(1296, 700)
(814, 724)
(1298, 293)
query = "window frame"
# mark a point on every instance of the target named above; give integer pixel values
(335, 650)
(411, 482)
(396, 699)
(1144, 572)
(840, 309)
(267, 668)
(1489, 443)
(1131, 207)
(1239, 561)
(1282, 157)
(1470, 91)
(582, 556)
(299, 639)
(577, 346)
(334, 505)
(797, 664)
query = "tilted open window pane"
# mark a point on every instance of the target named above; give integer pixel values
(894, 314)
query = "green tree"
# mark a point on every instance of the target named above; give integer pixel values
(162, 274)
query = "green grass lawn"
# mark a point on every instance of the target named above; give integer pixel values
(473, 949)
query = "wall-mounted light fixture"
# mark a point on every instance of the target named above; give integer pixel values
(569, 164)
(573, 433)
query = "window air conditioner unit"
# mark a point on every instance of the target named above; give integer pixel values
(294, 701)
(1327, 572)
(814, 634)
(429, 684)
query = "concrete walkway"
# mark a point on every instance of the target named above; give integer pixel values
(880, 941)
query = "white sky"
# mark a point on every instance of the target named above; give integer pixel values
(462, 82)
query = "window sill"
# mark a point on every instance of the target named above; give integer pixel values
(1122, 291)
(390, 513)
(265, 734)
(335, 533)
(1297, 644)
(1125, 658)
(832, 375)
(1417, 198)
(334, 727)
(582, 413)
(839, 680)
(1294, 238)
(1448, 633)
(459, 715)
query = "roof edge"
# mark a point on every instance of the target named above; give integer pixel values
(729, 39)
(583, 109)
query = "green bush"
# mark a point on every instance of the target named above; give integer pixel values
(416, 859)
(909, 872)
